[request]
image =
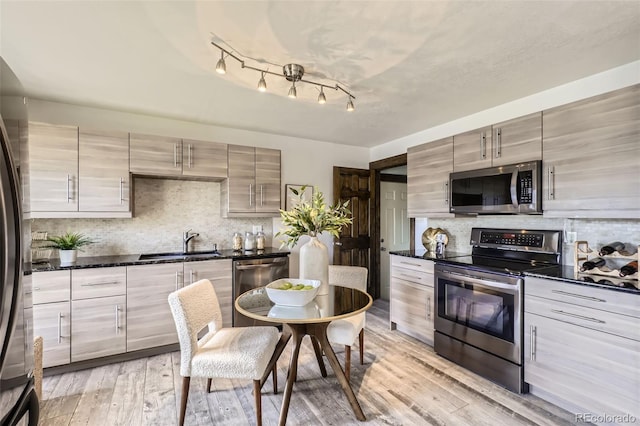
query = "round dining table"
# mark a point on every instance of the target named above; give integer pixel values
(313, 320)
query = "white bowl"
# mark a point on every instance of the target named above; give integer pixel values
(292, 297)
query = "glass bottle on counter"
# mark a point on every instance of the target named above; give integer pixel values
(237, 241)
(611, 248)
(261, 240)
(593, 263)
(629, 269)
(249, 242)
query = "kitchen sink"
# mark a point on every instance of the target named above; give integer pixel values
(179, 256)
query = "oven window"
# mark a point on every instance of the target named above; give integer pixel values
(494, 190)
(488, 311)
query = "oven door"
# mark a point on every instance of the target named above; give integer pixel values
(481, 309)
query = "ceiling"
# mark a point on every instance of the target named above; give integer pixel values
(410, 65)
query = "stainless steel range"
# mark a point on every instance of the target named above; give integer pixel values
(479, 300)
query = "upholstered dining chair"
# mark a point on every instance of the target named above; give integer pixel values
(229, 353)
(346, 331)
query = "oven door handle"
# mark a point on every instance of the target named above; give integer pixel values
(486, 284)
(514, 189)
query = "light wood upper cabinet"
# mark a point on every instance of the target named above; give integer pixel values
(592, 157)
(13, 132)
(155, 155)
(149, 319)
(104, 183)
(53, 164)
(219, 272)
(204, 159)
(509, 142)
(428, 168)
(98, 327)
(253, 185)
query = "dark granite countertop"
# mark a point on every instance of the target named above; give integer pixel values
(424, 254)
(567, 274)
(134, 259)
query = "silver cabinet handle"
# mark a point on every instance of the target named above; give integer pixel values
(59, 327)
(175, 155)
(191, 277)
(121, 190)
(190, 163)
(176, 280)
(250, 190)
(409, 263)
(68, 189)
(532, 342)
(580, 296)
(428, 307)
(499, 143)
(413, 277)
(551, 183)
(117, 319)
(569, 314)
(36, 289)
(446, 193)
(261, 197)
(483, 146)
(99, 283)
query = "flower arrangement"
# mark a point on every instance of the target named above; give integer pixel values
(69, 241)
(314, 217)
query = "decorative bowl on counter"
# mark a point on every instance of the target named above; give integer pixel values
(292, 291)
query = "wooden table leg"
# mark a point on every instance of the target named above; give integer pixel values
(284, 339)
(318, 351)
(319, 331)
(299, 331)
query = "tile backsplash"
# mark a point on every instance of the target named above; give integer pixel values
(597, 232)
(164, 209)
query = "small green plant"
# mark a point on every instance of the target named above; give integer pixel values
(69, 241)
(313, 218)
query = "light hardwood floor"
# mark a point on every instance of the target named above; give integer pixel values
(403, 382)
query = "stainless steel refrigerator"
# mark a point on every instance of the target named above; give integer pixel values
(18, 399)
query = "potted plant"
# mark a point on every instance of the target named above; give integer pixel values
(68, 245)
(313, 218)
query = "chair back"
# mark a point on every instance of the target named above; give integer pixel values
(349, 276)
(193, 308)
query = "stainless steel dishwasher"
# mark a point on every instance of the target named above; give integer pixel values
(252, 273)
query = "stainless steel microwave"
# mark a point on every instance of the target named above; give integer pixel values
(516, 188)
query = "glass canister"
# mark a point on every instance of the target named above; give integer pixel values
(249, 242)
(261, 240)
(237, 241)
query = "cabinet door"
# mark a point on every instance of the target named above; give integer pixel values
(104, 171)
(52, 321)
(98, 327)
(98, 282)
(53, 168)
(472, 150)
(14, 364)
(13, 132)
(428, 168)
(241, 183)
(412, 308)
(517, 140)
(592, 157)
(591, 370)
(149, 319)
(155, 155)
(219, 272)
(204, 159)
(52, 286)
(267, 181)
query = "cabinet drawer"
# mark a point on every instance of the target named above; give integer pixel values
(418, 265)
(98, 282)
(51, 286)
(608, 322)
(582, 295)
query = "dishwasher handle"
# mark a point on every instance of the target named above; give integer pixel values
(245, 267)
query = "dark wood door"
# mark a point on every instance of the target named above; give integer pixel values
(353, 246)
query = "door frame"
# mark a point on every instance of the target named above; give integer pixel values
(375, 168)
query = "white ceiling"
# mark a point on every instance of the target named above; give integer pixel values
(411, 65)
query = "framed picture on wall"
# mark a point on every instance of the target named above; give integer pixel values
(291, 199)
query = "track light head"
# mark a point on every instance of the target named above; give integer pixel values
(262, 84)
(350, 106)
(322, 99)
(293, 93)
(221, 67)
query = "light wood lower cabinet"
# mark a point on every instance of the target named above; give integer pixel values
(98, 327)
(52, 321)
(411, 297)
(579, 351)
(219, 272)
(149, 319)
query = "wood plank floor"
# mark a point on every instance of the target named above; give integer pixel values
(403, 382)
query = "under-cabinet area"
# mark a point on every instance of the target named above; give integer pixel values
(91, 313)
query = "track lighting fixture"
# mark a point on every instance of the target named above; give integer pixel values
(221, 67)
(262, 84)
(290, 72)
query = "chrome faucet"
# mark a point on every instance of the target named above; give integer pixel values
(186, 237)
